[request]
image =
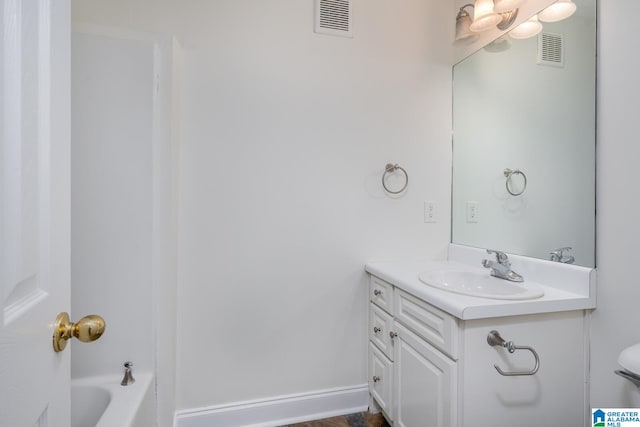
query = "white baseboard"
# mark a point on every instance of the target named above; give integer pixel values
(280, 410)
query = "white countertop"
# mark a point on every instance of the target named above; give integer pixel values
(566, 287)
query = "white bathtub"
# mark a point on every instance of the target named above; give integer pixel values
(103, 402)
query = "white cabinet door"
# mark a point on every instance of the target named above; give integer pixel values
(34, 210)
(381, 379)
(425, 383)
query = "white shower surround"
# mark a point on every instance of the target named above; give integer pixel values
(124, 228)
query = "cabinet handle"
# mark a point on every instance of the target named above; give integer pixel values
(377, 292)
(376, 378)
(393, 334)
(376, 329)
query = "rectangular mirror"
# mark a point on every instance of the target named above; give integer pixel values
(524, 143)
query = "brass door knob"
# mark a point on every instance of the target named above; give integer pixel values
(87, 329)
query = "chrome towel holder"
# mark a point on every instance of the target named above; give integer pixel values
(494, 339)
(509, 173)
(389, 169)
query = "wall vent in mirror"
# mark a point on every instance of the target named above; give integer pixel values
(550, 49)
(334, 17)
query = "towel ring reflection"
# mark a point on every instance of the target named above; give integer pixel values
(509, 173)
(390, 168)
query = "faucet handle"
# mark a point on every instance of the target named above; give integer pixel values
(556, 255)
(501, 257)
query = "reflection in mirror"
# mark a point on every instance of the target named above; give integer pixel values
(524, 143)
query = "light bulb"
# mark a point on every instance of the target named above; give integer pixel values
(528, 28)
(502, 6)
(483, 16)
(562, 9)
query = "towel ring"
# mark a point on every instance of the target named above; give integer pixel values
(390, 168)
(508, 173)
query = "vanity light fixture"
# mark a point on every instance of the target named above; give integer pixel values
(562, 9)
(463, 24)
(508, 11)
(507, 19)
(502, 6)
(528, 28)
(484, 16)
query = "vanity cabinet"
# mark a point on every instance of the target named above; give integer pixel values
(412, 373)
(429, 368)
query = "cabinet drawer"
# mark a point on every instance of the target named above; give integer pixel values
(380, 324)
(381, 294)
(432, 324)
(381, 379)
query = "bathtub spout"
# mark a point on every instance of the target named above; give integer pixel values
(128, 376)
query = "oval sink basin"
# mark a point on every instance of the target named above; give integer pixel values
(480, 285)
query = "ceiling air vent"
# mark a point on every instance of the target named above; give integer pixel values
(551, 49)
(334, 17)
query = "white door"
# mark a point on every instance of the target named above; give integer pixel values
(34, 210)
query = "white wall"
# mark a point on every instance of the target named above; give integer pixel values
(286, 135)
(285, 138)
(615, 321)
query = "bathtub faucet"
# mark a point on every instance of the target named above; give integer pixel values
(128, 376)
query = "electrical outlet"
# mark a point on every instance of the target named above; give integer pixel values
(472, 211)
(430, 212)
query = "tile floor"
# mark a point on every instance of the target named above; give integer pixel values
(363, 419)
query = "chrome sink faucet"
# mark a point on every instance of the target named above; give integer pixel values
(501, 267)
